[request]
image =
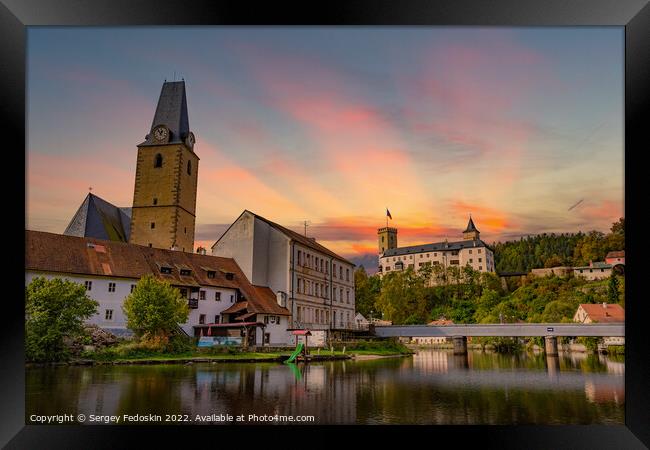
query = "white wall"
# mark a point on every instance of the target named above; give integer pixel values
(237, 243)
(115, 300)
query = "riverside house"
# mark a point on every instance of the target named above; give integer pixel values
(216, 289)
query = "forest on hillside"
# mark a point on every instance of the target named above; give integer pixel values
(552, 250)
(467, 296)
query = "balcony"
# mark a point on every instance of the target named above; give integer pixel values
(193, 303)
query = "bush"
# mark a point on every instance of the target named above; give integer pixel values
(54, 314)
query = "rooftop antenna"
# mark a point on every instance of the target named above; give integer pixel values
(174, 75)
(306, 223)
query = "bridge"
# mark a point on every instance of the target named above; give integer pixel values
(460, 332)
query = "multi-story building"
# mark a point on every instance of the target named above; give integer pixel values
(317, 285)
(471, 251)
(217, 291)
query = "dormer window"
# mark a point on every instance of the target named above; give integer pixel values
(211, 273)
(230, 275)
(186, 272)
(157, 162)
(166, 270)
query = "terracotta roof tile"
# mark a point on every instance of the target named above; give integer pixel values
(597, 313)
(49, 252)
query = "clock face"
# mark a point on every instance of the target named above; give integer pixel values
(190, 139)
(161, 133)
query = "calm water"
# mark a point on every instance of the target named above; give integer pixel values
(431, 387)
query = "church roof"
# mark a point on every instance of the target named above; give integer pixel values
(470, 226)
(171, 112)
(100, 219)
(436, 246)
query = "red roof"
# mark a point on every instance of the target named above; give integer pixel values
(598, 313)
(618, 254)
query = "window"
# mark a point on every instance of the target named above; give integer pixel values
(211, 273)
(166, 270)
(186, 272)
(479, 250)
(347, 274)
(108, 315)
(470, 251)
(435, 254)
(89, 285)
(317, 316)
(150, 244)
(153, 225)
(266, 319)
(111, 287)
(387, 268)
(132, 287)
(341, 295)
(201, 318)
(347, 295)
(189, 167)
(341, 272)
(184, 293)
(155, 201)
(299, 256)
(184, 231)
(421, 255)
(230, 276)
(480, 260)
(299, 285)
(201, 295)
(480, 267)
(157, 162)
(299, 313)
(232, 299)
(216, 318)
(217, 296)
(334, 269)
(382, 239)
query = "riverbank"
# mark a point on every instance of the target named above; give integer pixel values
(240, 357)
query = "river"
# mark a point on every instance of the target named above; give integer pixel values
(430, 387)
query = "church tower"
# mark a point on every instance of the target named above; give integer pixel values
(387, 239)
(164, 198)
(471, 232)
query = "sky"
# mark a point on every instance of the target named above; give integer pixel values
(333, 125)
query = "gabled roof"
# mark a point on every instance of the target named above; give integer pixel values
(297, 237)
(171, 112)
(264, 302)
(609, 312)
(56, 253)
(436, 246)
(616, 254)
(100, 219)
(470, 226)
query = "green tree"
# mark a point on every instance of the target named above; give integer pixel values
(154, 308)
(55, 310)
(366, 291)
(612, 289)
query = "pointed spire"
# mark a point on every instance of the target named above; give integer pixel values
(171, 112)
(470, 226)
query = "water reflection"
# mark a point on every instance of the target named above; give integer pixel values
(431, 387)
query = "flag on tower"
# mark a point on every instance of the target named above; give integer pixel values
(388, 214)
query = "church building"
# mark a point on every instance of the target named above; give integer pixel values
(164, 196)
(470, 251)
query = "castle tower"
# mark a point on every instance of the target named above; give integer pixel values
(164, 198)
(387, 239)
(471, 232)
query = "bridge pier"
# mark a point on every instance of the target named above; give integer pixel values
(460, 345)
(550, 345)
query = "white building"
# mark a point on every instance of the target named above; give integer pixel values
(217, 290)
(318, 284)
(470, 251)
(594, 271)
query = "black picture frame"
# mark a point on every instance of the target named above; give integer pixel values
(634, 15)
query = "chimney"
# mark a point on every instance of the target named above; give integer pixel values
(604, 305)
(281, 298)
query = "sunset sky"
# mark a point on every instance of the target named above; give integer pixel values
(334, 125)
